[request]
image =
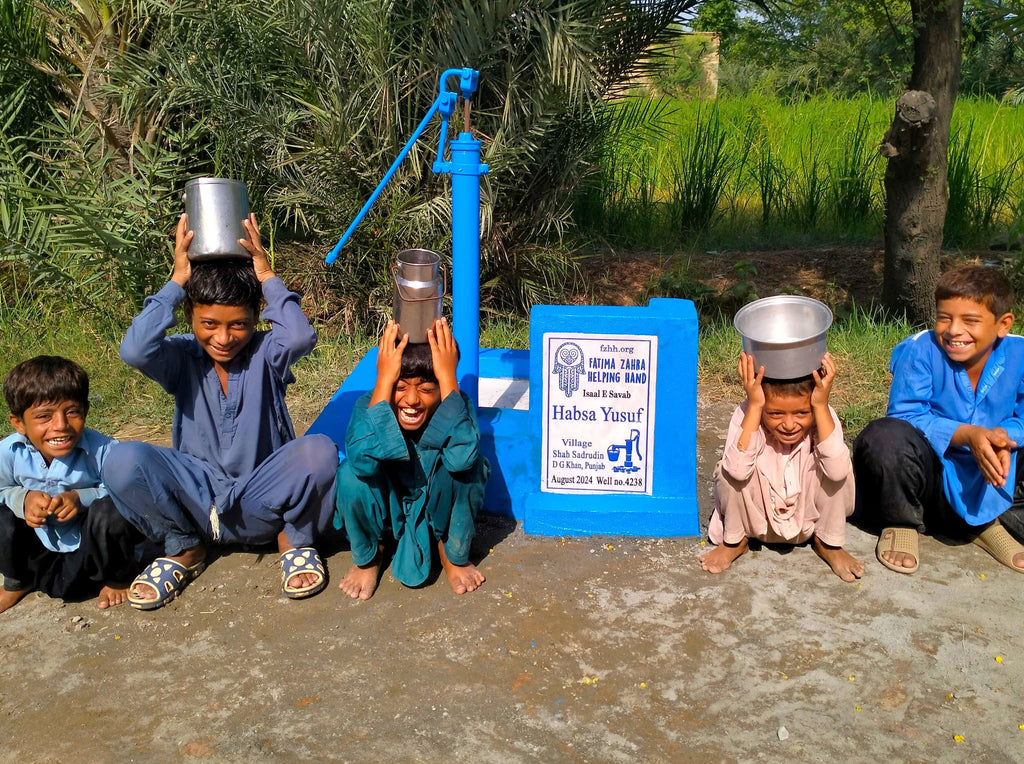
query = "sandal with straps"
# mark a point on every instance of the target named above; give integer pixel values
(302, 560)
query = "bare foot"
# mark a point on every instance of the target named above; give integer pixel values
(721, 557)
(111, 595)
(843, 564)
(463, 578)
(361, 580)
(190, 557)
(10, 599)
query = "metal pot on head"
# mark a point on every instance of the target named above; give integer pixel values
(785, 334)
(216, 208)
(419, 289)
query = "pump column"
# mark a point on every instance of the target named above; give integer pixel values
(466, 171)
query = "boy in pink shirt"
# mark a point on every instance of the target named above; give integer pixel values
(785, 476)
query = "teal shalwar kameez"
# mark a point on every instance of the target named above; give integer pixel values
(428, 489)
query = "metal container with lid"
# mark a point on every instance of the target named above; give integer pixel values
(785, 334)
(419, 289)
(216, 208)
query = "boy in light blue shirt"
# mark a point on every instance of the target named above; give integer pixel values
(947, 454)
(59, 532)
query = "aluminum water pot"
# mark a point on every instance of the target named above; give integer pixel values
(419, 287)
(216, 208)
(785, 334)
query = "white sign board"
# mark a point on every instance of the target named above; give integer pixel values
(598, 413)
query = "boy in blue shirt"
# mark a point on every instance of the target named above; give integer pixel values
(946, 456)
(413, 467)
(59, 532)
(236, 474)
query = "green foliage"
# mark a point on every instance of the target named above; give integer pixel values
(700, 168)
(308, 101)
(764, 170)
(680, 67)
(806, 47)
(679, 280)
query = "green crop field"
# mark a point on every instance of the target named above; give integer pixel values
(756, 169)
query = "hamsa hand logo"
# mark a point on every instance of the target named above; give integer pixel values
(569, 367)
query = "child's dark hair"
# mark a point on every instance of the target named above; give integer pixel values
(229, 281)
(418, 362)
(45, 379)
(787, 387)
(979, 283)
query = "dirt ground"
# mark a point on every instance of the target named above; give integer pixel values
(600, 649)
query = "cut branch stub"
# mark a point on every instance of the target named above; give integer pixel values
(915, 110)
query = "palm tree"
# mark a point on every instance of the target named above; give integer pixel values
(310, 100)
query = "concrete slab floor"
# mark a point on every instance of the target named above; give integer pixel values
(598, 649)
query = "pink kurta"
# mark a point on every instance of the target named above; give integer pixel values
(782, 494)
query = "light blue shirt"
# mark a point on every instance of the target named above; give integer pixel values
(935, 395)
(23, 469)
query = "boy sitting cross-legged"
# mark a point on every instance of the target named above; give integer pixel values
(59, 531)
(236, 474)
(413, 467)
(946, 455)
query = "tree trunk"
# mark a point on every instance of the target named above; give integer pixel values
(915, 178)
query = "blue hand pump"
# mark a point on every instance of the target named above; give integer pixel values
(465, 168)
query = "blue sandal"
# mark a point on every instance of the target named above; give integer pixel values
(302, 560)
(168, 577)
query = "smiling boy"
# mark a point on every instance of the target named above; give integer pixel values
(413, 467)
(59, 532)
(237, 473)
(785, 474)
(946, 455)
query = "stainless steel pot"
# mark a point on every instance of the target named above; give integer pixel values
(216, 208)
(419, 288)
(785, 334)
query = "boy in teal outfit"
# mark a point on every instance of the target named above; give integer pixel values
(413, 465)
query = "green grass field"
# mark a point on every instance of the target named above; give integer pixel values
(756, 170)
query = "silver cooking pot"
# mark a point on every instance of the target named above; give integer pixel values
(216, 208)
(785, 334)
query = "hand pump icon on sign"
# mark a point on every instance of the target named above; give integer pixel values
(631, 445)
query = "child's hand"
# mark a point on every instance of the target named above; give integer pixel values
(445, 356)
(751, 381)
(65, 506)
(823, 381)
(389, 363)
(992, 450)
(254, 246)
(182, 239)
(755, 399)
(36, 508)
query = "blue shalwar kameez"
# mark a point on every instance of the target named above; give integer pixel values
(425, 489)
(236, 474)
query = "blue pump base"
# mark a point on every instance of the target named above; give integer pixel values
(511, 438)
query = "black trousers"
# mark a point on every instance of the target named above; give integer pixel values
(899, 482)
(112, 551)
